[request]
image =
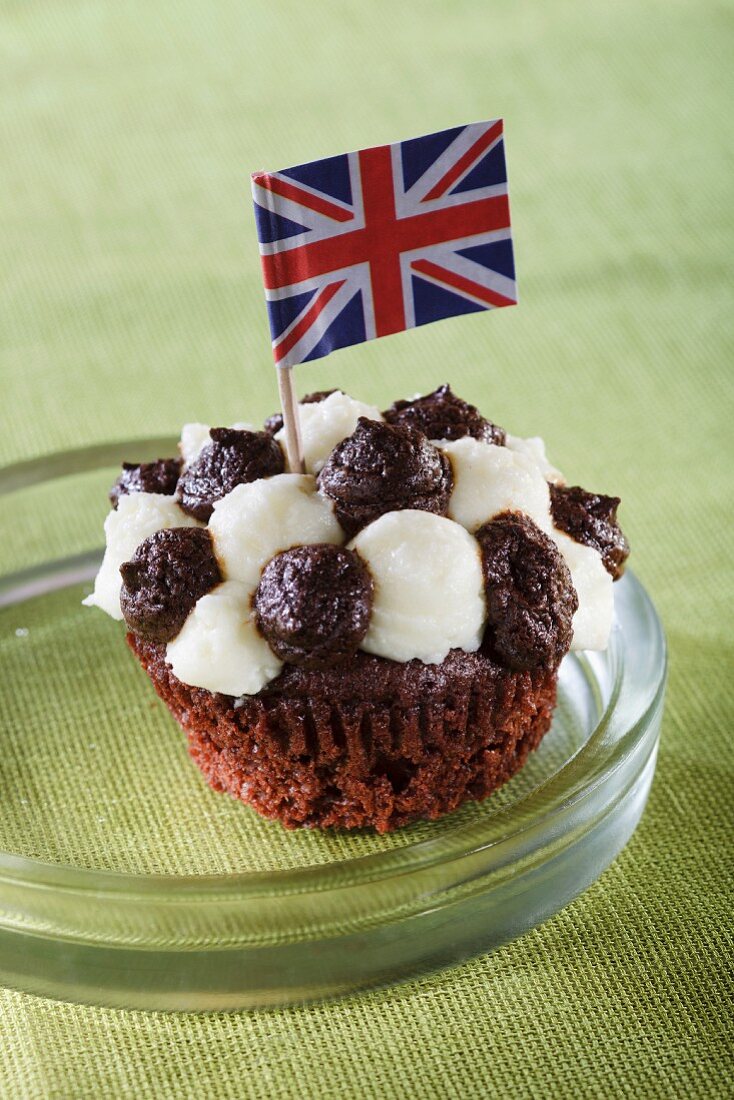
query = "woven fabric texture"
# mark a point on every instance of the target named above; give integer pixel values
(133, 302)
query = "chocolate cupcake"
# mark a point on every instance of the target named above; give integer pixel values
(371, 682)
(370, 743)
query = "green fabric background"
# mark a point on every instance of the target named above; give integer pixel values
(132, 301)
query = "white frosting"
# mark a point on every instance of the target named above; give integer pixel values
(220, 648)
(429, 593)
(428, 584)
(138, 515)
(194, 437)
(534, 448)
(258, 520)
(593, 620)
(325, 423)
(490, 479)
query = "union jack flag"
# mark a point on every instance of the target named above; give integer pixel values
(369, 243)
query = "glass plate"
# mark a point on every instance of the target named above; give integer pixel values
(126, 881)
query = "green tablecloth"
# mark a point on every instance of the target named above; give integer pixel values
(132, 302)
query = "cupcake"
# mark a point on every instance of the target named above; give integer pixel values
(376, 640)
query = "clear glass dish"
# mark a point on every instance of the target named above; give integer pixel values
(125, 881)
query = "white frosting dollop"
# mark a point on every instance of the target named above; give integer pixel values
(429, 592)
(194, 437)
(534, 448)
(219, 646)
(592, 622)
(325, 423)
(490, 479)
(138, 515)
(259, 519)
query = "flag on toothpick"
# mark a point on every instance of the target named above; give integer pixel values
(373, 242)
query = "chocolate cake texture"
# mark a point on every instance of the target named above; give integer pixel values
(443, 415)
(370, 743)
(531, 600)
(233, 457)
(160, 476)
(591, 519)
(166, 575)
(384, 468)
(313, 604)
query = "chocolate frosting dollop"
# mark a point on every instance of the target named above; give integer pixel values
(384, 468)
(166, 575)
(530, 597)
(234, 456)
(160, 476)
(274, 423)
(313, 604)
(443, 415)
(591, 518)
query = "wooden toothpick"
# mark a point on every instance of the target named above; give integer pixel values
(289, 405)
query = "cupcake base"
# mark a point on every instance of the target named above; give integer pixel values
(372, 743)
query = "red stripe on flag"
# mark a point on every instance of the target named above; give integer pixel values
(450, 278)
(461, 165)
(465, 220)
(378, 198)
(305, 198)
(321, 300)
